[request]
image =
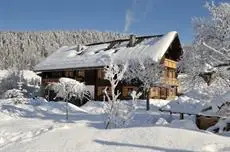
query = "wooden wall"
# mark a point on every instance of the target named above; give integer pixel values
(204, 122)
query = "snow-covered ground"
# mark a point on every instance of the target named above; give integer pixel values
(41, 126)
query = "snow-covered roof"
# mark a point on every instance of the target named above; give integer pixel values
(219, 106)
(184, 104)
(94, 55)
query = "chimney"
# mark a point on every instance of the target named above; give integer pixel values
(132, 40)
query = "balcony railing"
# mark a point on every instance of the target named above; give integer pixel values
(170, 63)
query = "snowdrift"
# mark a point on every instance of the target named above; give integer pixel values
(37, 108)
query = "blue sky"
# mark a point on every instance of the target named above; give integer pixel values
(142, 17)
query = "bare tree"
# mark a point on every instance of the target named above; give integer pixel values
(146, 73)
(117, 113)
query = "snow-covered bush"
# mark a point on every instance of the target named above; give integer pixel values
(20, 100)
(68, 88)
(13, 93)
(117, 113)
(16, 95)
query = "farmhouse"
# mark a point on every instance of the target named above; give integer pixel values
(85, 63)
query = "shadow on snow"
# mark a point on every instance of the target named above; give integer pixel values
(112, 143)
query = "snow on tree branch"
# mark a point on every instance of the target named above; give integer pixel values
(68, 88)
(117, 113)
(209, 56)
(146, 73)
(215, 50)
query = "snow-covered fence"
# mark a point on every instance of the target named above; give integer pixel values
(181, 114)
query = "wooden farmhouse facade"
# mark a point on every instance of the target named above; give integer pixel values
(85, 63)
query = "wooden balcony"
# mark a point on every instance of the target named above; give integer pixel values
(170, 81)
(170, 63)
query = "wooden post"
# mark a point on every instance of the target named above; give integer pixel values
(171, 116)
(181, 116)
(198, 121)
(49, 94)
(147, 100)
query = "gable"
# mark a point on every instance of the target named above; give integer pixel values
(174, 51)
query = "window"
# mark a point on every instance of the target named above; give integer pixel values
(154, 92)
(100, 74)
(80, 73)
(68, 73)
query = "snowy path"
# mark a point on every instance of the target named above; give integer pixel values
(21, 130)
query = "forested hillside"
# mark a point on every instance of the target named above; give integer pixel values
(23, 50)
